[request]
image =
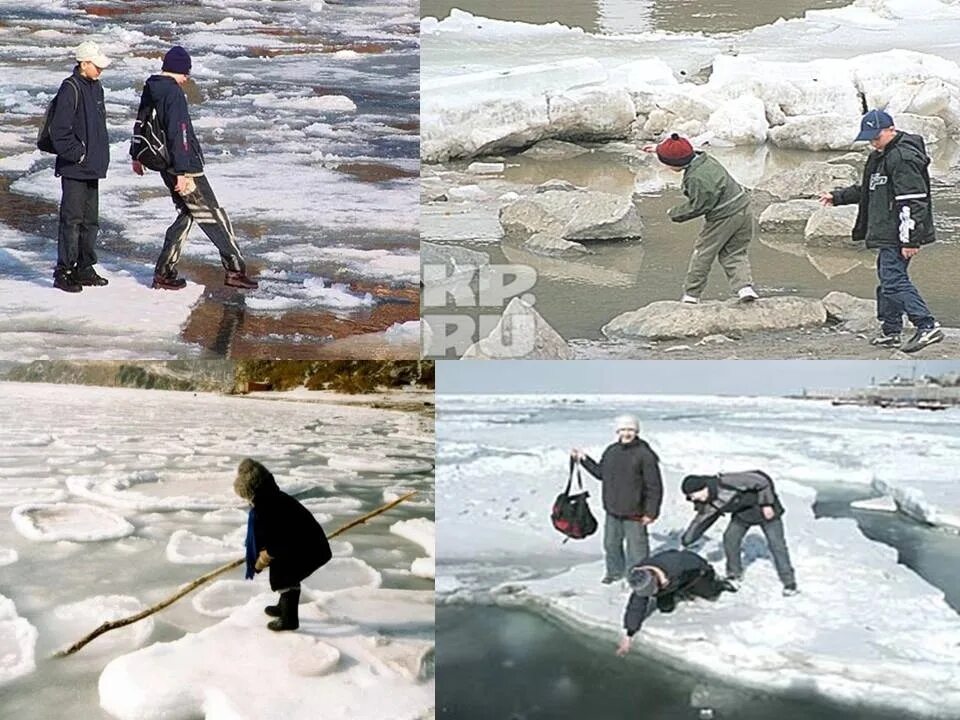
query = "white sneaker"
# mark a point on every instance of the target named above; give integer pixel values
(790, 591)
(689, 299)
(747, 294)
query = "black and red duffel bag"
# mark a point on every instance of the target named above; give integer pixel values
(571, 513)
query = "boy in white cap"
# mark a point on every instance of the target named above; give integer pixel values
(78, 133)
(632, 491)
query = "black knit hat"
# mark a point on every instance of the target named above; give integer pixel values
(177, 60)
(676, 151)
(694, 483)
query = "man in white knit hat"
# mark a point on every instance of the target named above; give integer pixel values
(632, 492)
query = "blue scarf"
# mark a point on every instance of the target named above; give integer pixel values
(251, 547)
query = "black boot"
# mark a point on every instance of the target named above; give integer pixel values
(169, 281)
(240, 280)
(289, 618)
(273, 610)
(89, 276)
(66, 279)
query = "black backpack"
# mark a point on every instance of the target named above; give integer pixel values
(149, 141)
(571, 513)
(44, 142)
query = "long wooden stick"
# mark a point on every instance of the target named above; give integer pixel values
(123, 622)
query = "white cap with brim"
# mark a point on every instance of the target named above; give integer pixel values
(90, 52)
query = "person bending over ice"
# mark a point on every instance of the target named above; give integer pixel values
(663, 579)
(713, 194)
(750, 499)
(282, 535)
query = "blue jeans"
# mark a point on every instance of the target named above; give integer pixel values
(616, 531)
(897, 295)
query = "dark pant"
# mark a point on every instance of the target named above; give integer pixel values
(198, 207)
(616, 532)
(707, 586)
(776, 541)
(79, 223)
(897, 295)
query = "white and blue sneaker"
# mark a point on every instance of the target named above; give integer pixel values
(923, 337)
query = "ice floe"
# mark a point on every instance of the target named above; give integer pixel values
(239, 669)
(422, 532)
(68, 623)
(77, 522)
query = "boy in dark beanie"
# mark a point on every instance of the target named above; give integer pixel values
(722, 201)
(189, 188)
(282, 535)
(750, 499)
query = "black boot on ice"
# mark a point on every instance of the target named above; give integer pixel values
(289, 618)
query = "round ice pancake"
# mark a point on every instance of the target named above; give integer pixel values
(68, 623)
(187, 548)
(8, 556)
(343, 573)
(78, 522)
(222, 597)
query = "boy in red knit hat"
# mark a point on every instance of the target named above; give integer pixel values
(724, 204)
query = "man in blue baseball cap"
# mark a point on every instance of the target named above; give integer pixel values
(895, 217)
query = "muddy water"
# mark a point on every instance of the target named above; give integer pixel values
(578, 295)
(623, 16)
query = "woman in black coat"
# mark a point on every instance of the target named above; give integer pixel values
(282, 535)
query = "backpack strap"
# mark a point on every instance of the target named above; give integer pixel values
(76, 90)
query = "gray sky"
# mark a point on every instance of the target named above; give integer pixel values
(697, 377)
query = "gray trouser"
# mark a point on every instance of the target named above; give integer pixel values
(726, 241)
(198, 207)
(776, 541)
(615, 532)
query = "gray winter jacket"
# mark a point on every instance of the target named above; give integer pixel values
(741, 494)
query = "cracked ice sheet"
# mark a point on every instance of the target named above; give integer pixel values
(326, 669)
(839, 637)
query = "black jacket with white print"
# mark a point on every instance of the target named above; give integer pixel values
(896, 209)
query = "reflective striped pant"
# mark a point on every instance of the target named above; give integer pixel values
(198, 207)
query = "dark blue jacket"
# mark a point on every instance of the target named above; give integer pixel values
(162, 92)
(290, 534)
(78, 129)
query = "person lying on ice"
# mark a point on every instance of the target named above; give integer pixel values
(282, 535)
(750, 499)
(660, 581)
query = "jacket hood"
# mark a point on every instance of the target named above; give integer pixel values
(254, 480)
(909, 144)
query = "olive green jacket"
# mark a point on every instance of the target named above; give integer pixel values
(710, 191)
